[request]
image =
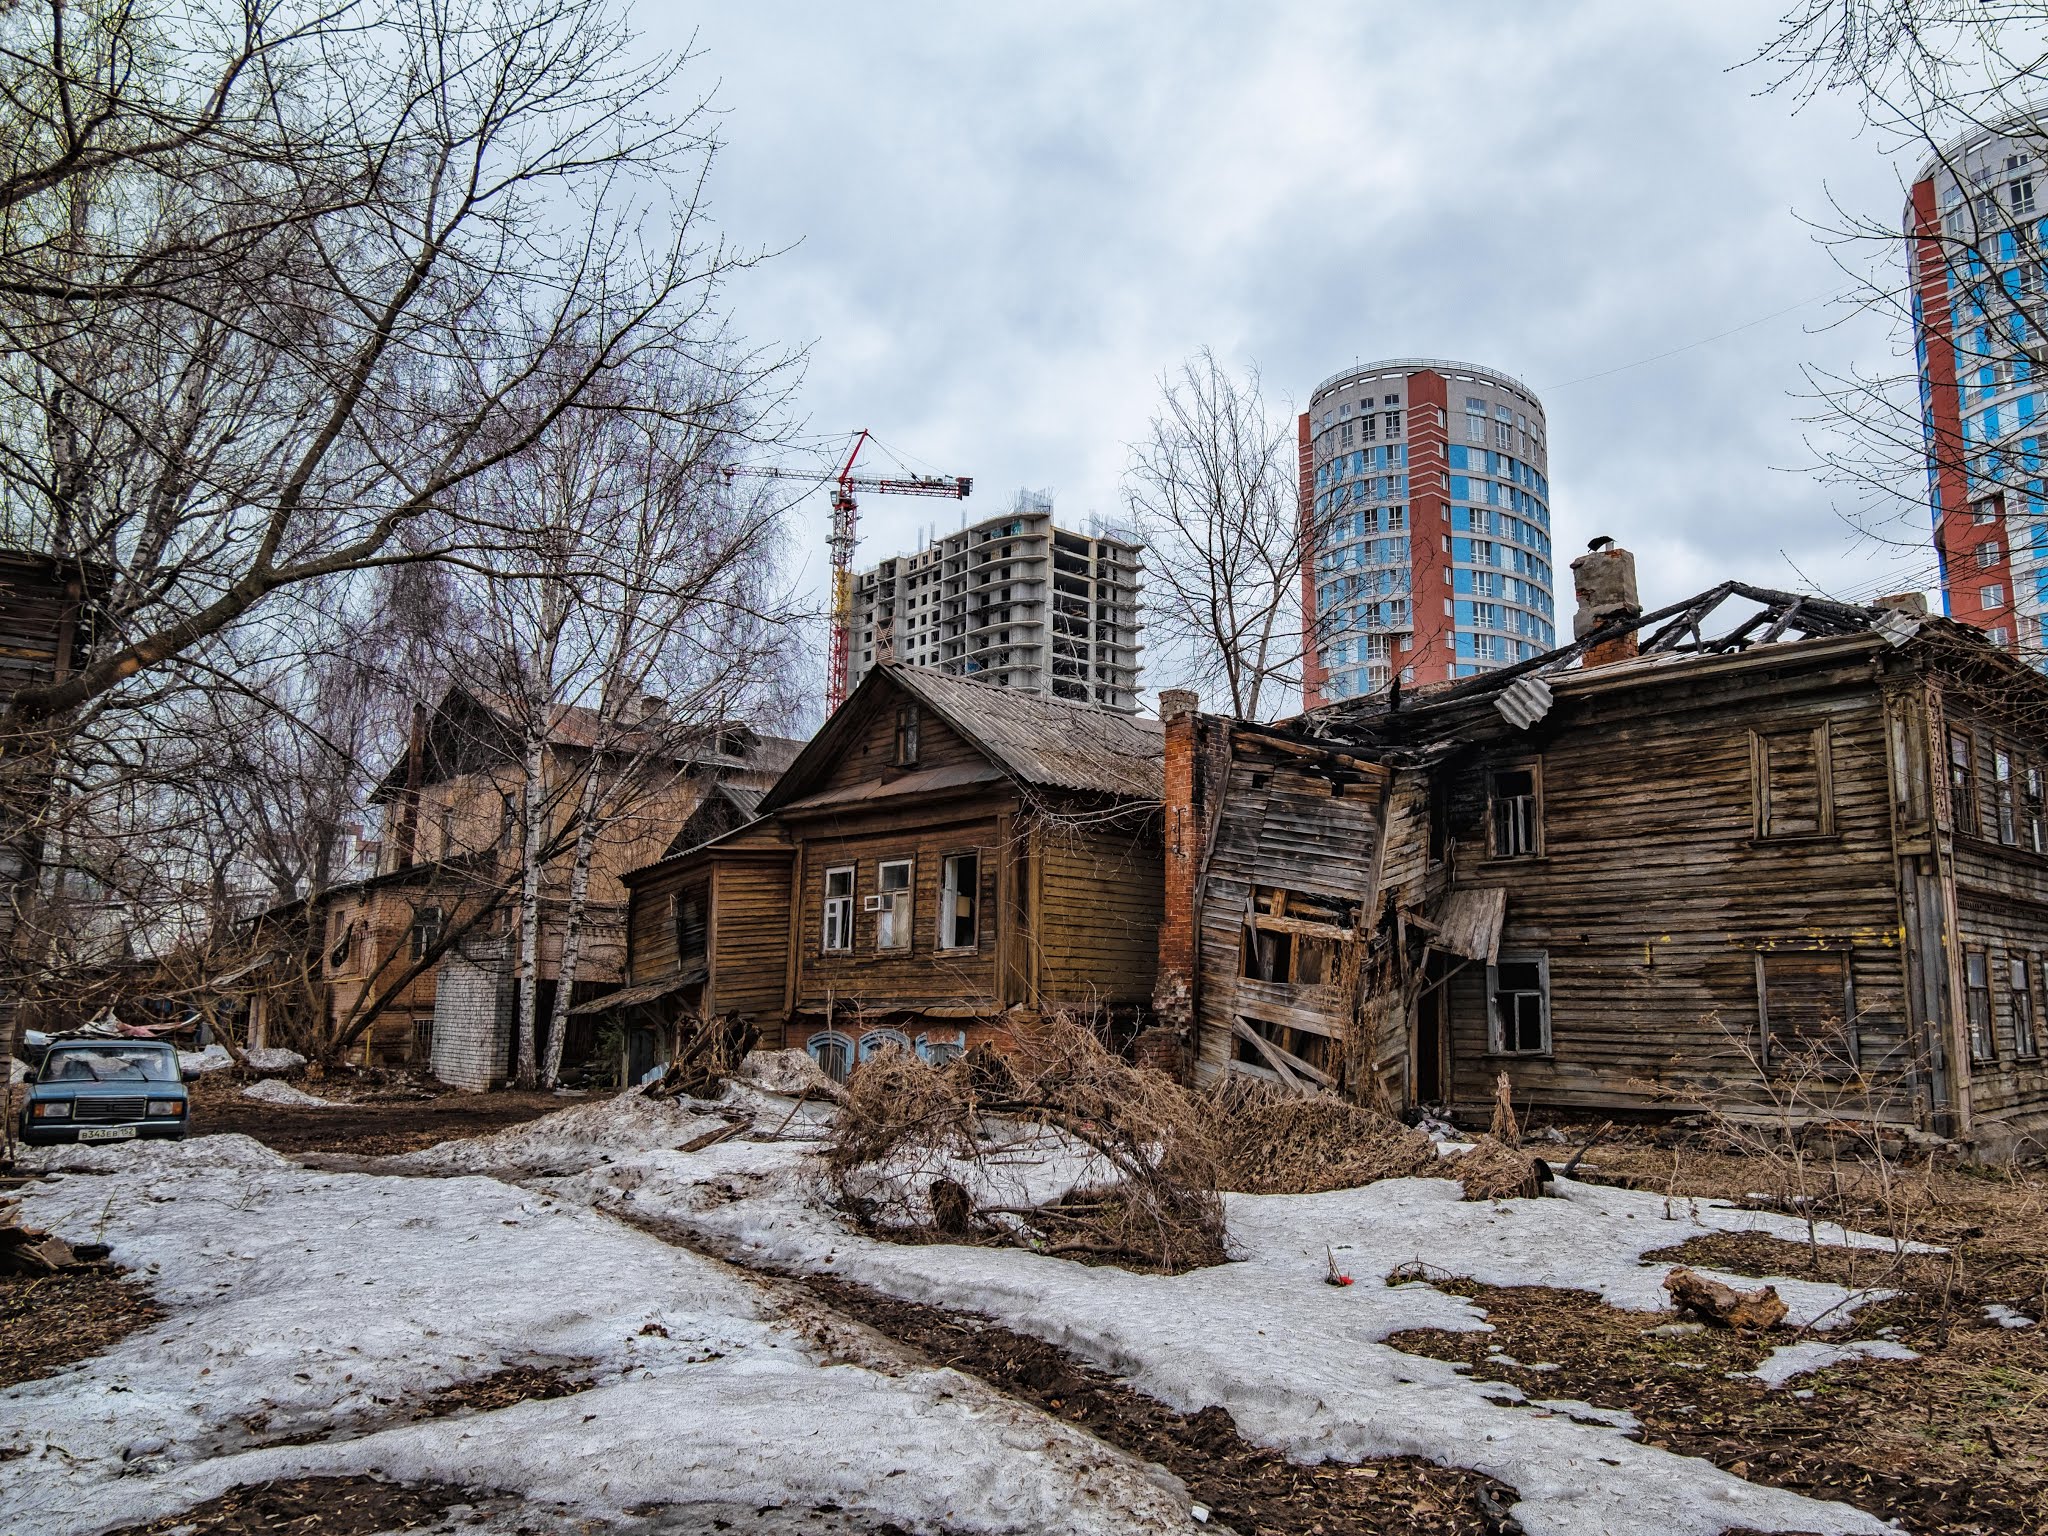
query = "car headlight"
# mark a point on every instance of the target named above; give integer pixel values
(53, 1109)
(167, 1106)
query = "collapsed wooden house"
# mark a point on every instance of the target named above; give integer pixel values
(943, 854)
(1753, 849)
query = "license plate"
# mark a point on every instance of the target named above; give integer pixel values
(106, 1133)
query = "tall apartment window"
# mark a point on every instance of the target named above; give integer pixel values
(906, 736)
(1518, 1005)
(837, 933)
(2035, 837)
(693, 932)
(1514, 812)
(1791, 781)
(1368, 428)
(1992, 596)
(2004, 797)
(1990, 553)
(1962, 782)
(893, 904)
(2021, 194)
(959, 890)
(1393, 425)
(1977, 1004)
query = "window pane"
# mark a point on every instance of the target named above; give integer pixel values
(1520, 976)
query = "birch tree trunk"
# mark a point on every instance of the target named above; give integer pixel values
(572, 926)
(533, 806)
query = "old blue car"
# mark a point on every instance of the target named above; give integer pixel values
(104, 1090)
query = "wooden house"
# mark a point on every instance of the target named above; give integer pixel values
(1794, 862)
(942, 853)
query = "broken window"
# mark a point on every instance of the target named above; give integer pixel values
(2004, 799)
(426, 931)
(838, 925)
(692, 929)
(1514, 812)
(1518, 994)
(1294, 938)
(1977, 1005)
(959, 894)
(906, 736)
(1962, 782)
(1804, 1010)
(1792, 783)
(891, 904)
(2035, 810)
(337, 956)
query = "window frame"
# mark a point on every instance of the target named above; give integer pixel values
(1821, 736)
(1963, 814)
(2005, 808)
(1496, 1040)
(874, 1040)
(827, 1039)
(1984, 1048)
(949, 892)
(1767, 1054)
(422, 934)
(908, 919)
(842, 905)
(906, 743)
(2029, 1049)
(1533, 766)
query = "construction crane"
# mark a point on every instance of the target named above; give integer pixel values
(843, 539)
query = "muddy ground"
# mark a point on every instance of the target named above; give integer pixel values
(368, 1119)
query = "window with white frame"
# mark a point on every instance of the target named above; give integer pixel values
(1990, 553)
(892, 904)
(1518, 1005)
(959, 904)
(1977, 1005)
(1992, 596)
(837, 933)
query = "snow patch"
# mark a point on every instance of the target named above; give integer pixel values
(271, 1059)
(1790, 1361)
(202, 1152)
(1998, 1312)
(624, 1124)
(198, 1063)
(274, 1091)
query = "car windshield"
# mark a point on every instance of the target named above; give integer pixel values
(110, 1064)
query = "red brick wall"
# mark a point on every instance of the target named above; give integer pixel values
(1429, 525)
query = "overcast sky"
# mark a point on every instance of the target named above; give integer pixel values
(1008, 221)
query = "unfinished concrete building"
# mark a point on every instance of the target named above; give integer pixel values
(1013, 600)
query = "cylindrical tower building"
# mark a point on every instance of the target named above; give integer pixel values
(1425, 490)
(1974, 247)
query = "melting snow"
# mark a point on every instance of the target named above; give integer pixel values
(1789, 1361)
(1998, 1312)
(274, 1091)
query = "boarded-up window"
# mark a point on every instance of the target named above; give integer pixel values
(692, 930)
(1792, 782)
(1805, 1013)
(1514, 812)
(1977, 1005)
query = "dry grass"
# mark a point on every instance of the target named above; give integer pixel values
(1493, 1170)
(1272, 1143)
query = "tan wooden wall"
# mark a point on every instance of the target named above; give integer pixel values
(1100, 894)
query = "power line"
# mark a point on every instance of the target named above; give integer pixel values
(1717, 336)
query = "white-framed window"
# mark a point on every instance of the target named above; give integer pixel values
(833, 1052)
(837, 934)
(960, 901)
(1992, 596)
(875, 1041)
(893, 903)
(1518, 1005)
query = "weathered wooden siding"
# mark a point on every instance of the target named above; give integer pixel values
(1652, 894)
(870, 756)
(1280, 825)
(920, 977)
(41, 634)
(1100, 892)
(750, 920)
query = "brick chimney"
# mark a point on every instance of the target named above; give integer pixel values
(1604, 579)
(1914, 603)
(1166, 1045)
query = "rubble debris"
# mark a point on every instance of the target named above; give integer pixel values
(1493, 1170)
(1270, 1142)
(1723, 1305)
(712, 1052)
(791, 1073)
(32, 1251)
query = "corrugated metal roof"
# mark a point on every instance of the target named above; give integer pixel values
(1045, 741)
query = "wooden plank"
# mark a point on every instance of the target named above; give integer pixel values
(1291, 1069)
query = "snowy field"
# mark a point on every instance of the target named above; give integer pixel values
(332, 1305)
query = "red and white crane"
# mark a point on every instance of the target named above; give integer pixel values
(842, 539)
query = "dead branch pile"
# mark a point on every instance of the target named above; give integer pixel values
(711, 1051)
(1493, 1170)
(32, 1251)
(1273, 1143)
(1064, 1149)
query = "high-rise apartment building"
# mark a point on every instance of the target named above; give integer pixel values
(1974, 236)
(1425, 489)
(1013, 600)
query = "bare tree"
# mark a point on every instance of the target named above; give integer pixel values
(1213, 494)
(278, 279)
(1933, 77)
